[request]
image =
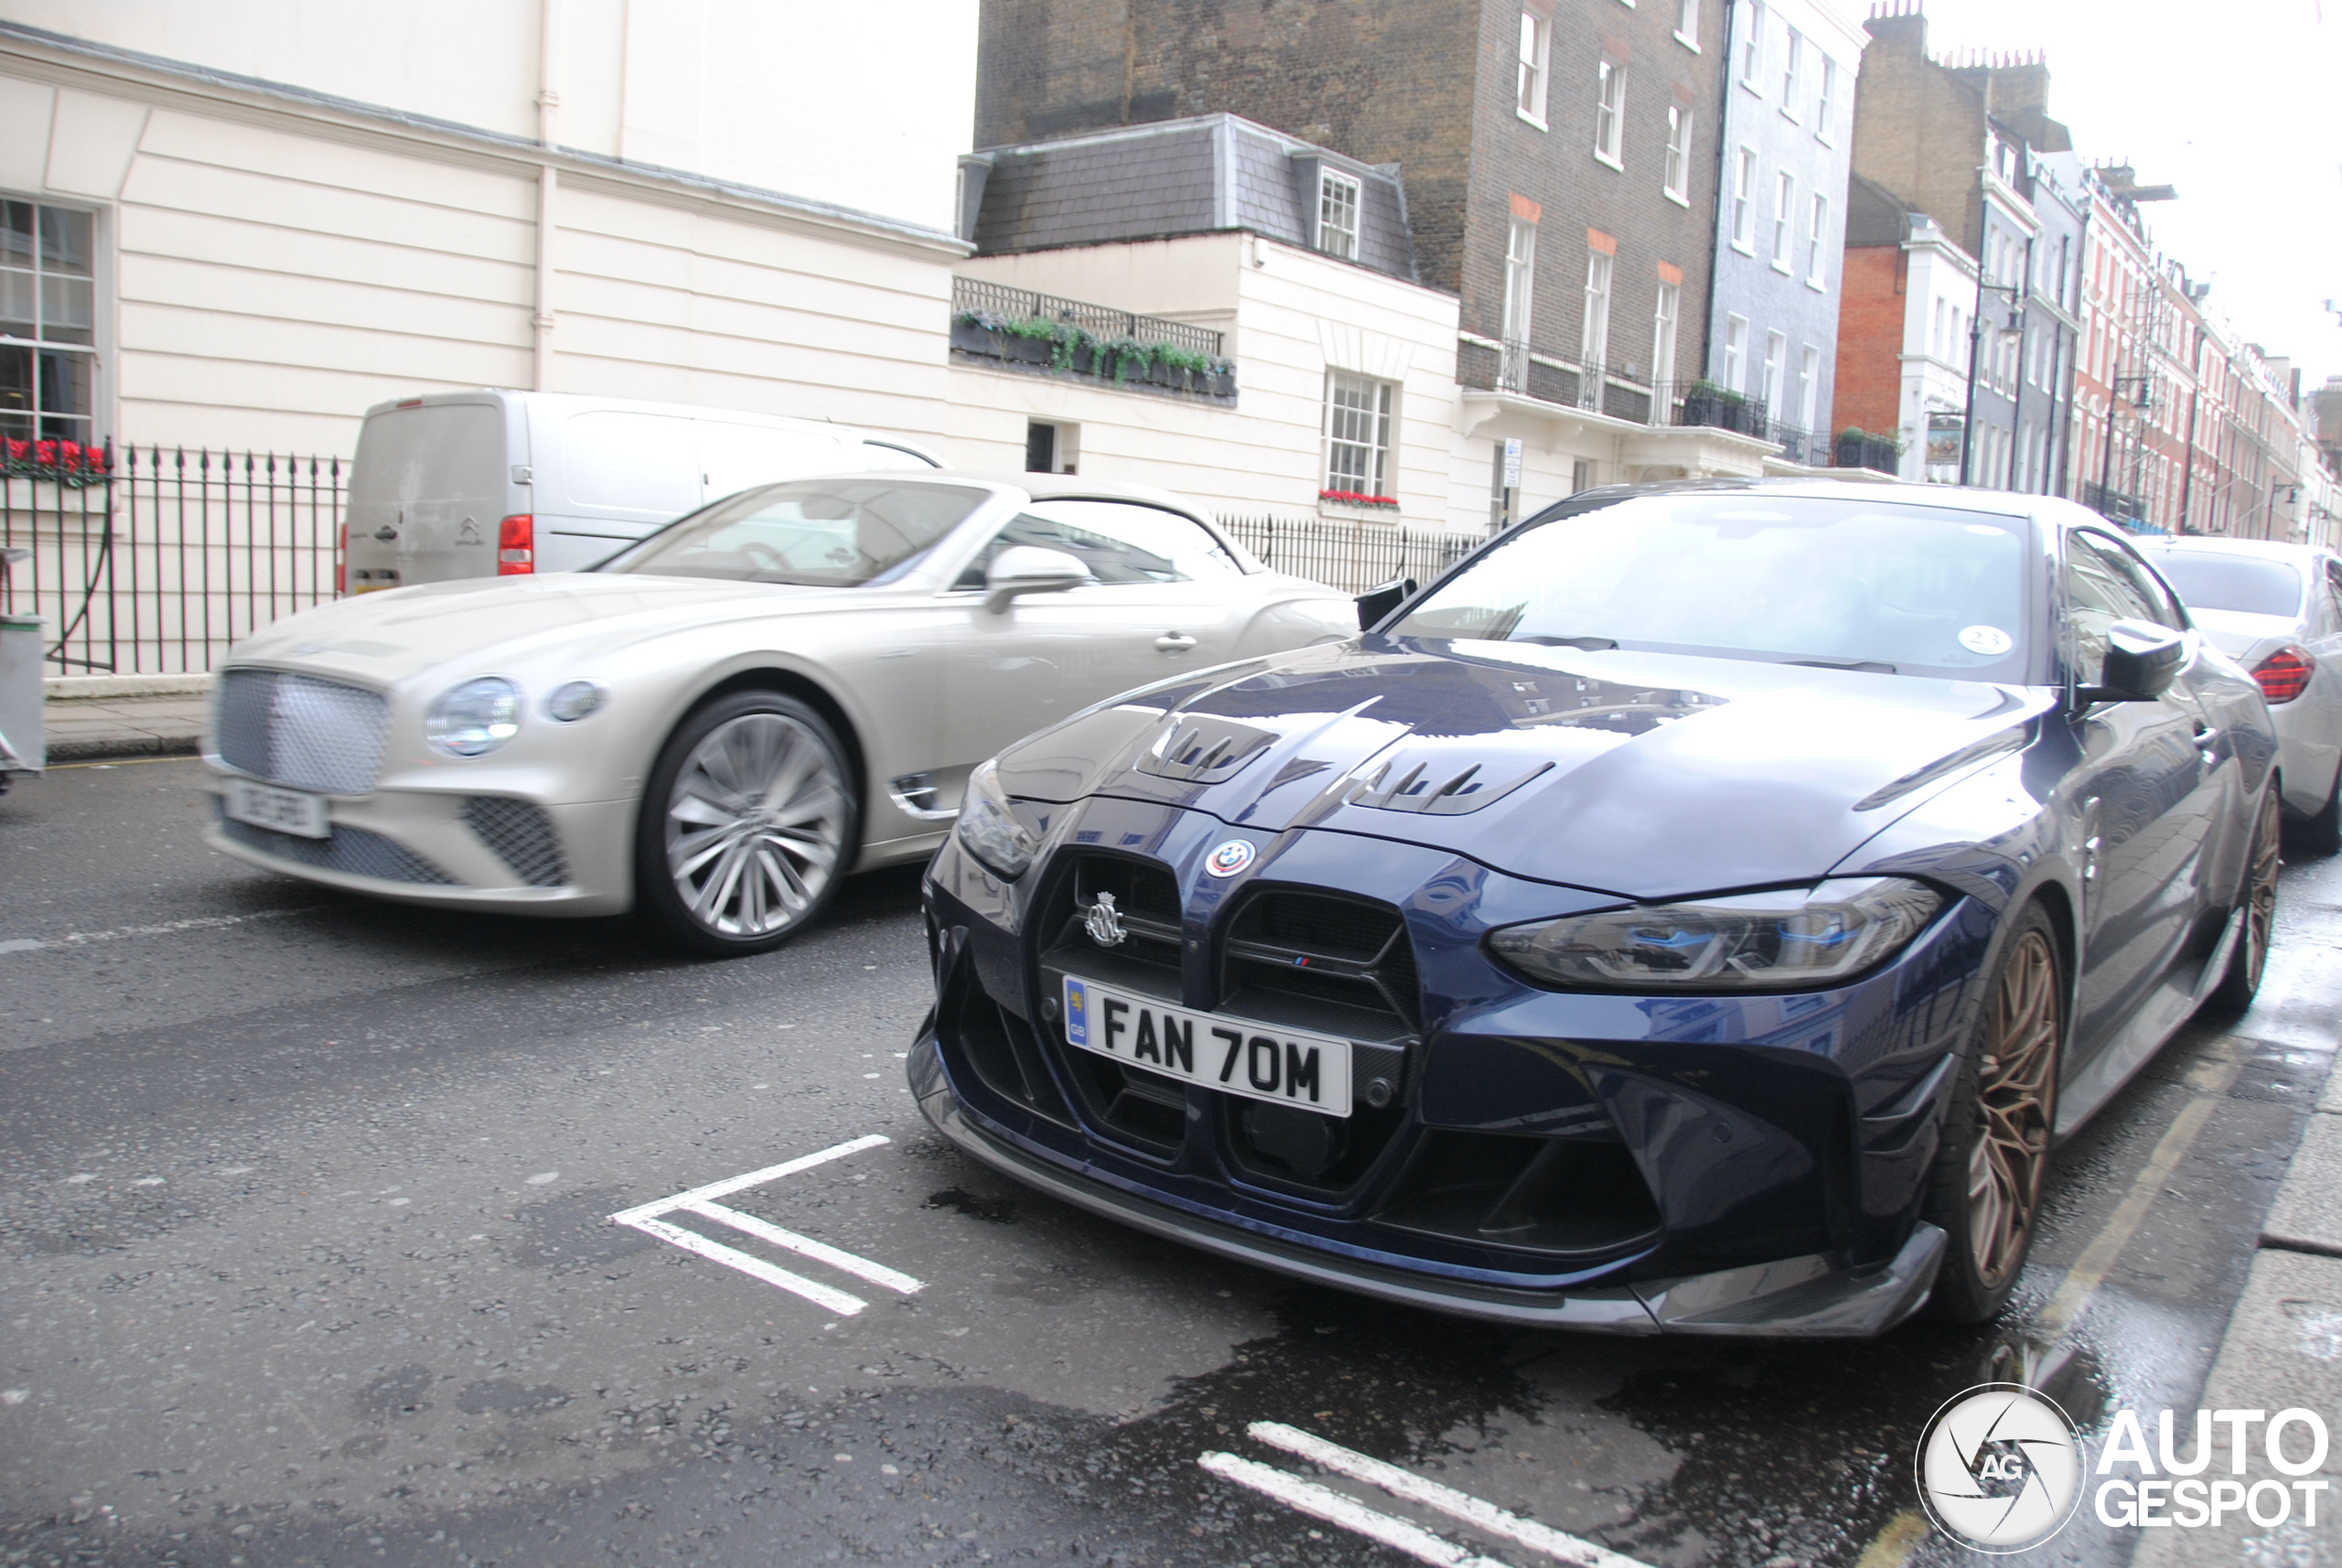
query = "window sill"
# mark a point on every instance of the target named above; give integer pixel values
(1752, 87)
(1689, 43)
(1819, 285)
(1781, 267)
(1791, 115)
(1825, 138)
(1678, 197)
(1745, 250)
(1527, 118)
(1607, 161)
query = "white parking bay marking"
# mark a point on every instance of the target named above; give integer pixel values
(1324, 1502)
(701, 1201)
(1458, 1505)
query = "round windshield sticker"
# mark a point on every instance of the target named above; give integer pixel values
(1989, 640)
(1229, 858)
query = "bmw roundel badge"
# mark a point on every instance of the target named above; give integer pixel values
(1229, 858)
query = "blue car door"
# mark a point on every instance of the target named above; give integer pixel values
(2146, 795)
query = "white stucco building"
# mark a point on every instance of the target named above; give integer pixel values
(268, 216)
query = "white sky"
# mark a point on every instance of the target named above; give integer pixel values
(2237, 104)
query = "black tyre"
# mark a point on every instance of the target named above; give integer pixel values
(747, 826)
(2257, 899)
(1986, 1188)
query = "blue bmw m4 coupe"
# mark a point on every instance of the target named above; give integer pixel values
(1702, 910)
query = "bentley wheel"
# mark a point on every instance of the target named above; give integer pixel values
(747, 826)
(2258, 907)
(1985, 1190)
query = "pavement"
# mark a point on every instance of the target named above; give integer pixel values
(336, 1231)
(93, 729)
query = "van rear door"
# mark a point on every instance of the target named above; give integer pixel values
(426, 491)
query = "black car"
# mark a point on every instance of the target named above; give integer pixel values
(1701, 910)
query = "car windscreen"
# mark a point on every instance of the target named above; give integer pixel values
(826, 533)
(1872, 585)
(2209, 580)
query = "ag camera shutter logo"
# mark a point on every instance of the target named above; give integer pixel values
(2000, 1468)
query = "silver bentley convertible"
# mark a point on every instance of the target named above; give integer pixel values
(716, 723)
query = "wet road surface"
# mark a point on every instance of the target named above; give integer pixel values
(304, 1204)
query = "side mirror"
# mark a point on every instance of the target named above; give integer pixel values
(1029, 569)
(1376, 603)
(2141, 659)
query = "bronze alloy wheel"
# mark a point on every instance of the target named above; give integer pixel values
(756, 824)
(2258, 907)
(2015, 1097)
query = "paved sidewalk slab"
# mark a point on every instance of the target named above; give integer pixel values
(83, 729)
(2283, 1351)
(2307, 1213)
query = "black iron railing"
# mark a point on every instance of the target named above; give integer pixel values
(975, 297)
(157, 560)
(1351, 556)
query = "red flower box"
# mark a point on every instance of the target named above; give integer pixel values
(1352, 497)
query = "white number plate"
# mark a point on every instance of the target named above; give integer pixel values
(1236, 1056)
(286, 811)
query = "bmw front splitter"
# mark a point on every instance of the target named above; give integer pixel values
(1796, 1298)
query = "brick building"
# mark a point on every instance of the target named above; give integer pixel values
(1559, 162)
(1971, 144)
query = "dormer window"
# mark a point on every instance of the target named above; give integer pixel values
(1337, 201)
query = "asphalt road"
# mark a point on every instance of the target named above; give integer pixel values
(304, 1202)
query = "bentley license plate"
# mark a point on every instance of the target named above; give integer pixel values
(1235, 1056)
(286, 811)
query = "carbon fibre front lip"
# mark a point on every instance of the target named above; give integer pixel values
(1794, 1298)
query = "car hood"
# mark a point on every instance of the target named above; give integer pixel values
(1643, 774)
(384, 637)
(2242, 635)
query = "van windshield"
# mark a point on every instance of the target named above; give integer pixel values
(822, 533)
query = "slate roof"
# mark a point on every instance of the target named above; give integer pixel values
(1177, 177)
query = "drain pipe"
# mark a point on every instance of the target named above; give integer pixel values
(548, 181)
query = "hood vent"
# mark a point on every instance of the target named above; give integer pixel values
(1399, 787)
(1205, 750)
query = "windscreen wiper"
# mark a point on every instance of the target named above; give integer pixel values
(1583, 644)
(1867, 666)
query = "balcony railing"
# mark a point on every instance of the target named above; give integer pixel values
(2111, 503)
(1019, 329)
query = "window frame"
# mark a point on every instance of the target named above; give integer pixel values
(1610, 112)
(1792, 73)
(1380, 411)
(1825, 101)
(1817, 261)
(1520, 280)
(1666, 312)
(1809, 385)
(1744, 201)
(1328, 182)
(1752, 49)
(92, 357)
(1675, 178)
(1535, 78)
(1594, 328)
(1776, 366)
(1734, 368)
(1687, 23)
(1784, 218)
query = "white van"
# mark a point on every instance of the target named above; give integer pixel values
(479, 484)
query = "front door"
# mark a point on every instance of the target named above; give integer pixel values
(1164, 595)
(2149, 786)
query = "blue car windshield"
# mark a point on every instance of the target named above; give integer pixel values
(1880, 585)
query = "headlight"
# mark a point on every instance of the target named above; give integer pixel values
(574, 700)
(989, 830)
(475, 717)
(1795, 940)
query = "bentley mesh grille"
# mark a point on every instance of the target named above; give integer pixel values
(352, 851)
(523, 836)
(300, 731)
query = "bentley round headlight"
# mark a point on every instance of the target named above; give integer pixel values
(574, 700)
(475, 717)
(989, 830)
(1794, 939)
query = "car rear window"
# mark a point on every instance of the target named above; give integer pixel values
(2210, 580)
(831, 534)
